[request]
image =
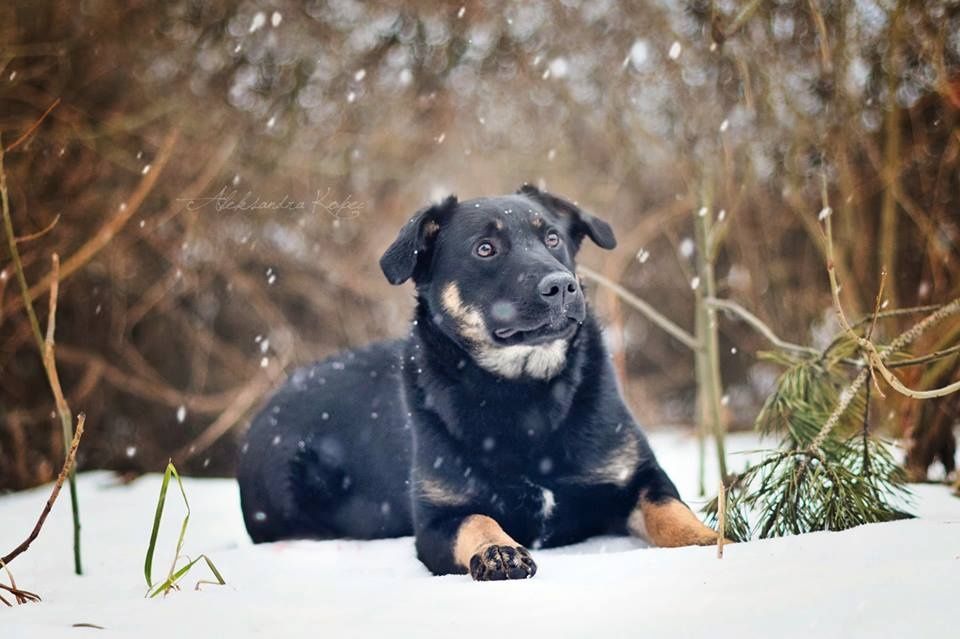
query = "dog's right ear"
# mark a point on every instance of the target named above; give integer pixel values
(414, 241)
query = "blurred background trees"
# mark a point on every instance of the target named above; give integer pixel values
(177, 315)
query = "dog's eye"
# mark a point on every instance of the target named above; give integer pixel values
(485, 249)
(553, 239)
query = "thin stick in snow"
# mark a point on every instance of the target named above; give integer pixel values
(64, 472)
(721, 519)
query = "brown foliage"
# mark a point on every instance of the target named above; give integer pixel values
(175, 319)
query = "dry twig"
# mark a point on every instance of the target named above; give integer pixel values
(721, 518)
(33, 127)
(19, 595)
(651, 313)
(107, 232)
(45, 347)
(64, 473)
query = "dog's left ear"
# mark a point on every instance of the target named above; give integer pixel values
(409, 251)
(584, 223)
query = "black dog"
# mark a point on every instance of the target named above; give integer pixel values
(496, 425)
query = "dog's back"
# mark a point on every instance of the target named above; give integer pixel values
(329, 454)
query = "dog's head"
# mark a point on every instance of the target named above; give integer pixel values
(498, 275)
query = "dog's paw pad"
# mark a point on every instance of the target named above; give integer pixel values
(496, 563)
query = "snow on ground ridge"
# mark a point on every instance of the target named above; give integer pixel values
(881, 580)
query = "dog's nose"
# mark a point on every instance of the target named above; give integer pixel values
(558, 288)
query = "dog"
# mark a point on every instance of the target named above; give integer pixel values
(494, 428)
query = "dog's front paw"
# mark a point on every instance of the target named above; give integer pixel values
(496, 563)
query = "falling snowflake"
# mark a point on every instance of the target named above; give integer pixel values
(558, 68)
(259, 19)
(639, 52)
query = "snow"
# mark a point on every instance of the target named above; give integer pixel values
(883, 580)
(259, 19)
(639, 52)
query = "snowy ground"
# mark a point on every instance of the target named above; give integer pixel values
(887, 580)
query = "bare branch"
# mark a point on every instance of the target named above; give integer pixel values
(64, 472)
(33, 127)
(646, 309)
(758, 324)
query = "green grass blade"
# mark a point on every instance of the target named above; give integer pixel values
(213, 569)
(175, 574)
(186, 518)
(151, 547)
(173, 578)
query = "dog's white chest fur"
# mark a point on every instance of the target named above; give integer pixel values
(541, 361)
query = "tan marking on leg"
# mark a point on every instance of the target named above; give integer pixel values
(669, 524)
(618, 468)
(475, 534)
(439, 494)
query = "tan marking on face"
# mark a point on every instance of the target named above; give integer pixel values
(440, 494)
(541, 362)
(537, 222)
(475, 534)
(469, 321)
(669, 524)
(430, 228)
(498, 224)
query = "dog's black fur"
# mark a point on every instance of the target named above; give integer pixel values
(501, 402)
